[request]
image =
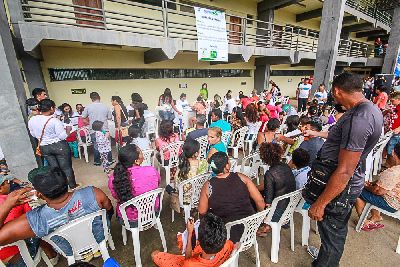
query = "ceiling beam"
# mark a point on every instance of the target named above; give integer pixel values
(316, 13)
(350, 19)
(383, 37)
(275, 4)
(370, 33)
(358, 27)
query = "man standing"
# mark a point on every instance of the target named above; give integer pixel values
(302, 94)
(96, 111)
(336, 178)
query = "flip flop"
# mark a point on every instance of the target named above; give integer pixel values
(372, 226)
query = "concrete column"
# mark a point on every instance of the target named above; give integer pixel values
(328, 41)
(33, 72)
(14, 138)
(393, 48)
(261, 77)
(262, 72)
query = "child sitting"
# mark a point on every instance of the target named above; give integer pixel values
(103, 144)
(299, 165)
(134, 138)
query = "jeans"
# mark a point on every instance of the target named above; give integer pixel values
(96, 153)
(333, 232)
(376, 200)
(59, 155)
(392, 143)
(302, 104)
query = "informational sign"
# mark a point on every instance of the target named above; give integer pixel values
(78, 91)
(397, 67)
(212, 38)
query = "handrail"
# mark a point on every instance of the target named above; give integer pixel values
(169, 20)
(368, 8)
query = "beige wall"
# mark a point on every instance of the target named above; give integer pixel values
(62, 57)
(288, 84)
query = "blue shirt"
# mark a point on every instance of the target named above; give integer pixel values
(301, 175)
(220, 147)
(222, 124)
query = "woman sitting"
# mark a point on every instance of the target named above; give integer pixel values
(229, 195)
(292, 126)
(237, 120)
(134, 138)
(251, 116)
(166, 136)
(214, 140)
(211, 249)
(278, 181)
(130, 180)
(190, 166)
(268, 133)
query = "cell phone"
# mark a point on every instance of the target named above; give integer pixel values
(170, 189)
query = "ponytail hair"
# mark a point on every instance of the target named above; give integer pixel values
(190, 148)
(122, 181)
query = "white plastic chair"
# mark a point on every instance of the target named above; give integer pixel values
(378, 153)
(364, 216)
(248, 144)
(287, 216)
(248, 238)
(26, 257)
(148, 156)
(306, 225)
(285, 100)
(147, 218)
(250, 166)
(196, 184)
(152, 126)
(233, 164)
(88, 142)
(238, 138)
(78, 233)
(225, 138)
(174, 150)
(203, 140)
(233, 260)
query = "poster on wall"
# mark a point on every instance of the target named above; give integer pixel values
(212, 38)
(397, 67)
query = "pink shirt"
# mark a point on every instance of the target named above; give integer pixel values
(161, 143)
(143, 179)
(274, 110)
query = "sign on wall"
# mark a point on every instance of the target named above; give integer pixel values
(78, 91)
(212, 38)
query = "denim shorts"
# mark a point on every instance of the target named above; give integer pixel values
(376, 200)
(392, 143)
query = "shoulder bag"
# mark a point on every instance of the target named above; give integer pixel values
(38, 152)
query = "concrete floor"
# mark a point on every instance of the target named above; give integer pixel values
(376, 248)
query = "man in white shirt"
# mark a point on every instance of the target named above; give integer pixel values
(229, 104)
(302, 95)
(96, 111)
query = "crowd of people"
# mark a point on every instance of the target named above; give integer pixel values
(318, 141)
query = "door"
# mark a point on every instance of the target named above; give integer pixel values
(87, 19)
(235, 30)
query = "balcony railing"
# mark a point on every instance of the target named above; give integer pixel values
(174, 20)
(367, 7)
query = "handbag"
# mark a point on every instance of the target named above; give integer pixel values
(124, 129)
(38, 152)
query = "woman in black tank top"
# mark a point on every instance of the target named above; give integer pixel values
(228, 195)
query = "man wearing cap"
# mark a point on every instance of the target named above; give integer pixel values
(62, 207)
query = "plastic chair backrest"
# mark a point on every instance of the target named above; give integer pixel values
(238, 136)
(203, 140)
(23, 250)
(151, 124)
(233, 259)
(85, 131)
(174, 150)
(78, 233)
(225, 138)
(251, 225)
(233, 164)
(148, 157)
(294, 198)
(253, 163)
(196, 183)
(145, 205)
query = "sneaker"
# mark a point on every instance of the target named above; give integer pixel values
(97, 254)
(96, 164)
(313, 251)
(87, 257)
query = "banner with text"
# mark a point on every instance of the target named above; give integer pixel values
(397, 66)
(212, 39)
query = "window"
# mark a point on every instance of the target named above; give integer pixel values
(292, 72)
(149, 2)
(250, 19)
(131, 74)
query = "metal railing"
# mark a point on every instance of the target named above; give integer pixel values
(368, 7)
(174, 20)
